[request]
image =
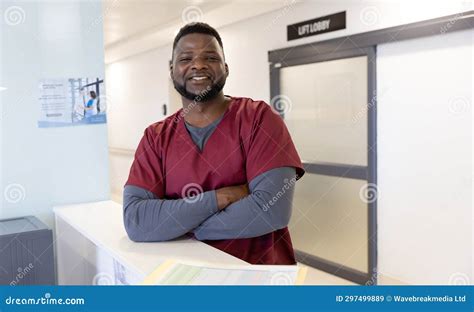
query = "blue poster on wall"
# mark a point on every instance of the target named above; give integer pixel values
(71, 102)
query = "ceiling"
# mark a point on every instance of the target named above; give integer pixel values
(125, 18)
(134, 26)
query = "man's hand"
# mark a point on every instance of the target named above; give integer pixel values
(228, 195)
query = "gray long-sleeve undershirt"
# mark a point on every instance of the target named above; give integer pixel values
(148, 218)
(266, 209)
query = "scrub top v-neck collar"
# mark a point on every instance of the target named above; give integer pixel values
(188, 137)
(201, 135)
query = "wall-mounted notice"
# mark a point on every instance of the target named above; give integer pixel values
(71, 101)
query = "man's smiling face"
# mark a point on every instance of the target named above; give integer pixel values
(198, 69)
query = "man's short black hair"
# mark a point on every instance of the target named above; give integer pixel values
(199, 28)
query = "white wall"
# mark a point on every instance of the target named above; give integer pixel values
(46, 167)
(424, 158)
(137, 87)
(246, 46)
(142, 79)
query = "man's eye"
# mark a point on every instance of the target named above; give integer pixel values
(185, 59)
(212, 58)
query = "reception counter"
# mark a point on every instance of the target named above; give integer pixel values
(93, 248)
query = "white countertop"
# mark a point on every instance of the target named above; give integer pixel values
(102, 223)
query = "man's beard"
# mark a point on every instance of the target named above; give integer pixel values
(207, 94)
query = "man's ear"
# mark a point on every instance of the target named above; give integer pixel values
(226, 70)
(171, 70)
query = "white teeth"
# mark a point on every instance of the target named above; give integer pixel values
(199, 78)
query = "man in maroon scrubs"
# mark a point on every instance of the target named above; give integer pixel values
(222, 168)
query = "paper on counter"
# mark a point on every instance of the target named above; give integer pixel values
(173, 272)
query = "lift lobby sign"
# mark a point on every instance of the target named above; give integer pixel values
(317, 26)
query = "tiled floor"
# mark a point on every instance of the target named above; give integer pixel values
(317, 277)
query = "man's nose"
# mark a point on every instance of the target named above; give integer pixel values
(199, 63)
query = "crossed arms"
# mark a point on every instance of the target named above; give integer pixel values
(227, 213)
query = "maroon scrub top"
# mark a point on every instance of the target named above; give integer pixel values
(250, 140)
